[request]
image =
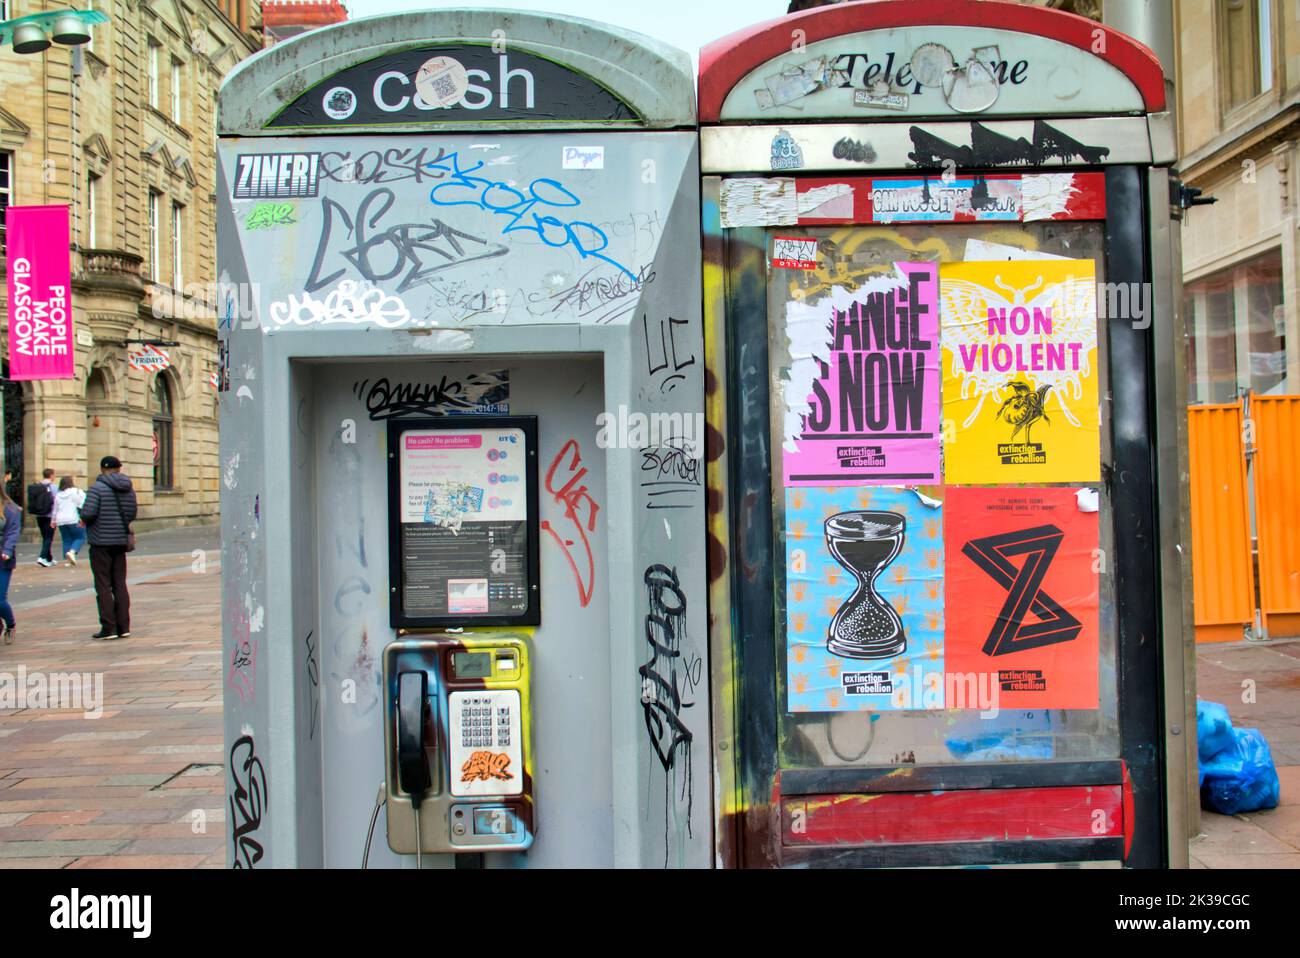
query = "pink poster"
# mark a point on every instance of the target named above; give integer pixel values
(862, 398)
(40, 277)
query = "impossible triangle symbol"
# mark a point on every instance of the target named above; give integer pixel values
(1010, 632)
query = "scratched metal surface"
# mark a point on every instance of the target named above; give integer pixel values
(603, 290)
(449, 231)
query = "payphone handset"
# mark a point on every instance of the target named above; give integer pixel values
(457, 736)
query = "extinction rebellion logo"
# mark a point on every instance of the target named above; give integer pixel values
(1012, 631)
(261, 176)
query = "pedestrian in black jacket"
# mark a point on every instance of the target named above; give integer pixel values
(40, 501)
(107, 512)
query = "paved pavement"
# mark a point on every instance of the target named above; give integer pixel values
(1260, 685)
(142, 784)
(31, 581)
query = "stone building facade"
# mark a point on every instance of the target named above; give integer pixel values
(122, 130)
(1238, 81)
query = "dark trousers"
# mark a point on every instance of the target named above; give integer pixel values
(46, 524)
(108, 563)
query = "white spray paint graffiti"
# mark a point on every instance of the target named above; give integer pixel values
(348, 302)
(230, 475)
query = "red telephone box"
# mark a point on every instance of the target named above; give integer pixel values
(940, 309)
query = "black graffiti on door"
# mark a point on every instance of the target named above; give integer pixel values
(247, 801)
(661, 353)
(990, 148)
(662, 680)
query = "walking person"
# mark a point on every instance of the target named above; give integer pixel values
(13, 524)
(108, 512)
(40, 503)
(67, 516)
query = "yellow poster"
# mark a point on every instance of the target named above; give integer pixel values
(1019, 343)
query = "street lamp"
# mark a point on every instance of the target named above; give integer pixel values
(32, 34)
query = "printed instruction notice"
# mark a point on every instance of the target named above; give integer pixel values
(464, 512)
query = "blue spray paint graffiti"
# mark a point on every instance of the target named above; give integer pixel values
(522, 208)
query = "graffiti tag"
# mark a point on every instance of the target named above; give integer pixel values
(530, 210)
(379, 253)
(247, 801)
(580, 511)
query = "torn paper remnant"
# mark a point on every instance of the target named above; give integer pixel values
(755, 201)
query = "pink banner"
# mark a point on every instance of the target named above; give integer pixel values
(40, 278)
(865, 363)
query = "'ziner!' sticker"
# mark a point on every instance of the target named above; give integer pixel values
(441, 81)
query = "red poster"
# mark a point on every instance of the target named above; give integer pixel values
(1021, 594)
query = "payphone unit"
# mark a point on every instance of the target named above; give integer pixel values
(457, 736)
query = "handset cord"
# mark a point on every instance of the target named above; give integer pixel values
(381, 799)
(418, 842)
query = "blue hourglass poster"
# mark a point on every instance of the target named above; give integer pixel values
(864, 600)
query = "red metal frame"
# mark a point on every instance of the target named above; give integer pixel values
(1087, 203)
(1130, 825)
(725, 61)
(968, 815)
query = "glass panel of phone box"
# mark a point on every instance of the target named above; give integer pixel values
(939, 422)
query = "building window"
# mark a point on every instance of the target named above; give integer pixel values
(177, 67)
(178, 245)
(237, 11)
(154, 199)
(92, 208)
(162, 433)
(1237, 331)
(1245, 50)
(6, 186)
(155, 52)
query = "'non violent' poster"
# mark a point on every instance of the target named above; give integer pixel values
(864, 600)
(862, 400)
(1020, 371)
(1022, 584)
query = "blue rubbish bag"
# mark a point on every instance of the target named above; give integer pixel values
(1239, 774)
(1213, 730)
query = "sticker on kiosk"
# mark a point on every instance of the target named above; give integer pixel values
(794, 252)
(465, 506)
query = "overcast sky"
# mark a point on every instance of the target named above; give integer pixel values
(688, 24)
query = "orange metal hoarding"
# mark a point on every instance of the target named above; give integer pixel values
(1223, 586)
(1277, 510)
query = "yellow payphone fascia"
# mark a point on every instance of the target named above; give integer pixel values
(473, 802)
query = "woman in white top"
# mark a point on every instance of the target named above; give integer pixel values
(66, 503)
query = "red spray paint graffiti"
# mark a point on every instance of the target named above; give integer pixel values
(580, 509)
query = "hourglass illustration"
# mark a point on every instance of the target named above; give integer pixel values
(866, 626)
